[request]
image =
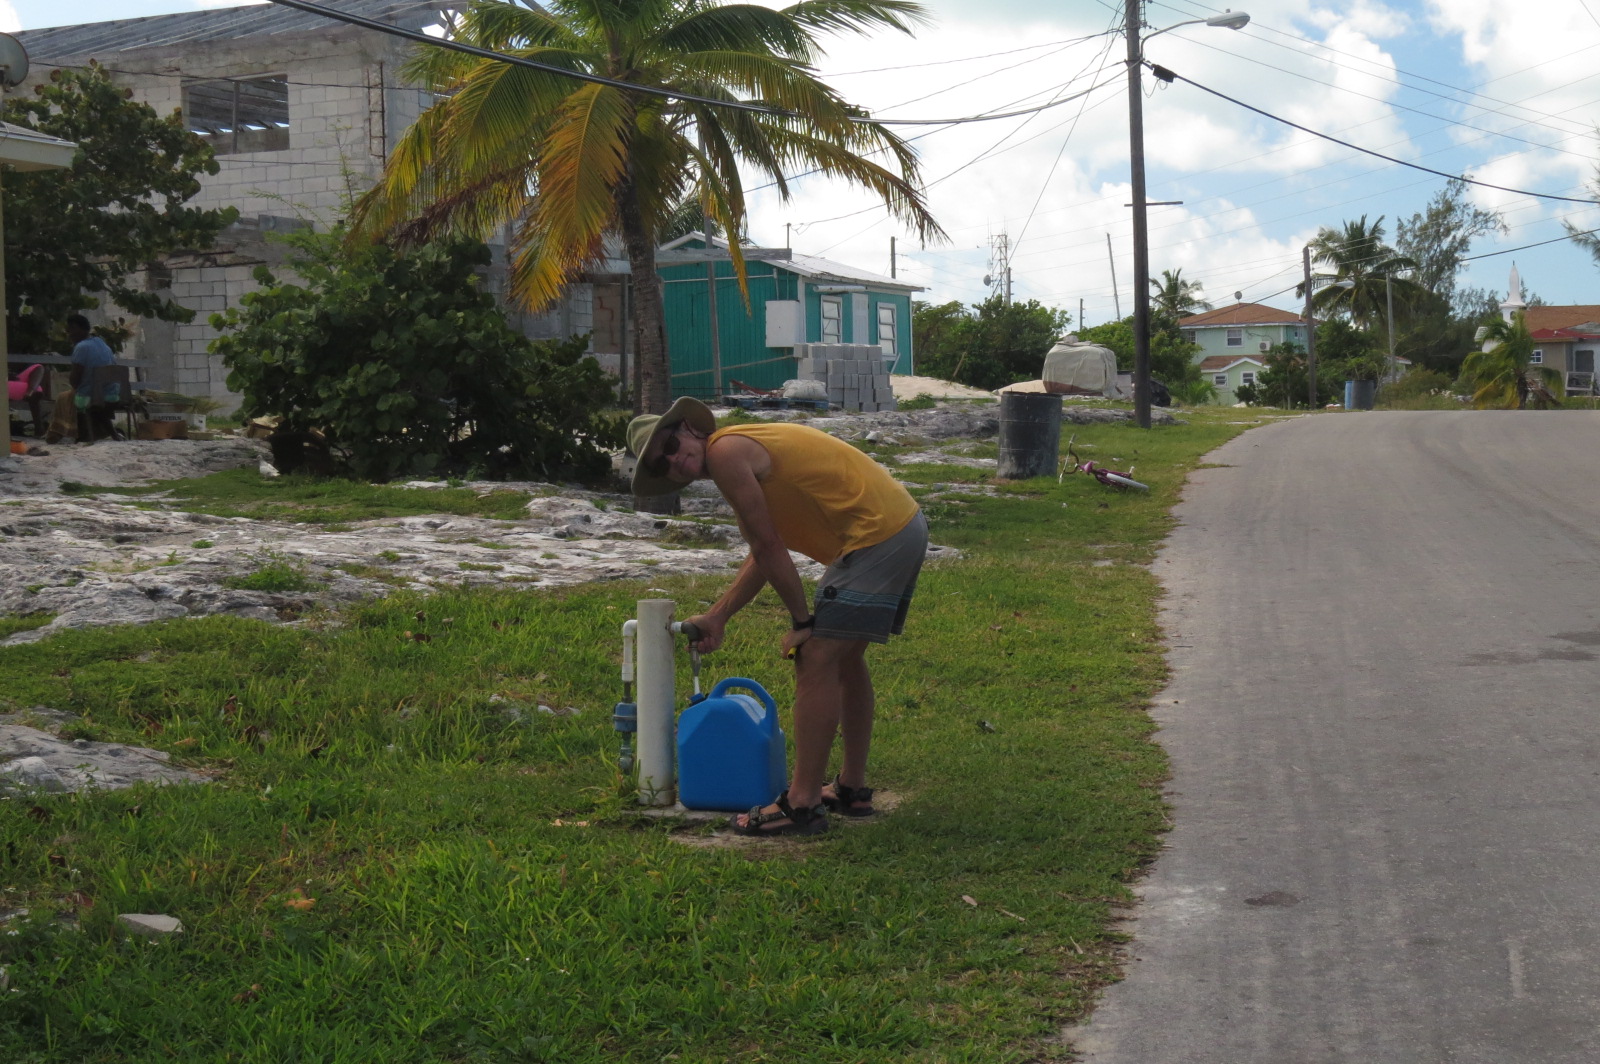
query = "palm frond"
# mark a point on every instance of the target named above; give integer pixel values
(747, 28)
(583, 161)
(499, 108)
(900, 195)
(505, 26)
(858, 16)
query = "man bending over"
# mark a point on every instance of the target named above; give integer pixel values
(795, 488)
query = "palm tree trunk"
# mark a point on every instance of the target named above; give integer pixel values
(654, 393)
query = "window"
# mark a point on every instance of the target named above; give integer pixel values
(1247, 377)
(886, 328)
(1235, 337)
(1220, 380)
(1537, 358)
(1583, 361)
(238, 115)
(1188, 336)
(832, 313)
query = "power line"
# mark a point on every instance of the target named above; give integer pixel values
(968, 58)
(1525, 247)
(615, 83)
(1402, 107)
(878, 151)
(1164, 74)
(1052, 172)
(1323, 46)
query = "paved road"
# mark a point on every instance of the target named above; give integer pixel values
(1385, 736)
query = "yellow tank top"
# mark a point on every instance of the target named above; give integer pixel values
(826, 498)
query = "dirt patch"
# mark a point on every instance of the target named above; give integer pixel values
(721, 838)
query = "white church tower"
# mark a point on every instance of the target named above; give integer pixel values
(1514, 302)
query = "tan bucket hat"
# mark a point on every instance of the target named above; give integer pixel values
(646, 431)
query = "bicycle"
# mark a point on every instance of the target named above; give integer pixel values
(1109, 477)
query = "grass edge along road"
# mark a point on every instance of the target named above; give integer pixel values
(403, 858)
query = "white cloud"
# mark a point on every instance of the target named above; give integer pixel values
(1244, 179)
(10, 22)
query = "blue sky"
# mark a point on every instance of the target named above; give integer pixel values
(1477, 86)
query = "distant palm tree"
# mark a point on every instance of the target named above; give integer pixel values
(566, 162)
(1175, 297)
(1358, 255)
(1499, 375)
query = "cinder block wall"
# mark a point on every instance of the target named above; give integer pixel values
(348, 107)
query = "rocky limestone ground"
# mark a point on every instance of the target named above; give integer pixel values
(102, 558)
(32, 757)
(96, 559)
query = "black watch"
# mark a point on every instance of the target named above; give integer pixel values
(798, 626)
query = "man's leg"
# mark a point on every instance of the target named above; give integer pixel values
(855, 719)
(820, 670)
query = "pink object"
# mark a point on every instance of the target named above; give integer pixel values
(25, 384)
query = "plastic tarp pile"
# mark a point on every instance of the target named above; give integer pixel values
(1073, 368)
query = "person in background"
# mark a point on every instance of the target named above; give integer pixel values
(793, 487)
(88, 352)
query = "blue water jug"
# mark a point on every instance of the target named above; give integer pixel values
(730, 749)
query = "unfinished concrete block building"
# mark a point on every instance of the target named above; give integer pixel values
(302, 112)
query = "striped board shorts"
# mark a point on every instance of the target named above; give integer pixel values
(865, 594)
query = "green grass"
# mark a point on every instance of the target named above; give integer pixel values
(277, 573)
(484, 891)
(314, 500)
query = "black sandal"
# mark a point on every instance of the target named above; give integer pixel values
(844, 800)
(811, 821)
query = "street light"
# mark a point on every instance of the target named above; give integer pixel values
(1231, 20)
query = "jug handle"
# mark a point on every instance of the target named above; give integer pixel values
(739, 682)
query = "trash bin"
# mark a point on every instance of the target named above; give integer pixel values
(1030, 435)
(1360, 395)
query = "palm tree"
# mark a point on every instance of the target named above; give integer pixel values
(566, 162)
(1500, 371)
(1359, 255)
(1174, 297)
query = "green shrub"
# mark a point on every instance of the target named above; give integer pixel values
(1195, 392)
(921, 402)
(1421, 389)
(404, 366)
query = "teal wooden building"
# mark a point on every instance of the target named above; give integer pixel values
(801, 299)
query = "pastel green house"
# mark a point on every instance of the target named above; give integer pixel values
(799, 299)
(1227, 373)
(1233, 343)
(1243, 329)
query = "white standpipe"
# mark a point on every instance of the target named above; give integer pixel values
(657, 692)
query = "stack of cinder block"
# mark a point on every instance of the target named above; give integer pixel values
(857, 375)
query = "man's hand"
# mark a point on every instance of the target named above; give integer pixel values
(792, 641)
(712, 630)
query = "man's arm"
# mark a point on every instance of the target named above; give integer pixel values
(733, 468)
(714, 622)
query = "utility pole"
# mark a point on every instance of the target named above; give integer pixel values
(1080, 316)
(1116, 300)
(1141, 237)
(1388, 295)
(891, 257)
(1008, 284)
(1311, 336)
